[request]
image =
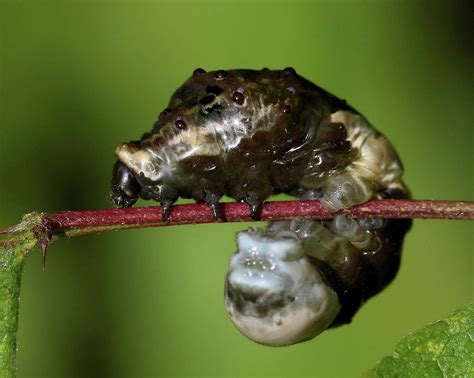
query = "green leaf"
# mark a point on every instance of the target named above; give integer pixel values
(441, 349)
(15, 242)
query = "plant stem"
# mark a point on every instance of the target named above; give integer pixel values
(73, 223)
(17, 241)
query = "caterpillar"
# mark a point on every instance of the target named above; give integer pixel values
(249, 134)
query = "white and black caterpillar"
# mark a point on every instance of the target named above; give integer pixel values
(249, 134)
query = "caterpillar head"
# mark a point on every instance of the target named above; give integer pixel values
(273, 294)
(148, 167)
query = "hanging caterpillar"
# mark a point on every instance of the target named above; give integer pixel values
(250, 134)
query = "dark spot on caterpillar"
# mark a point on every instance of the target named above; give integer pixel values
(207, 99)
(287, 109)
(331, 131)
(214, 89)
(340, 145)
(289, 71)
(220, 75)
(238, 97)
(180, 124)
(208, 104)
(214, 109)
(198, 71)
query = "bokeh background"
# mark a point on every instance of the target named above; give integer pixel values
(77, 77)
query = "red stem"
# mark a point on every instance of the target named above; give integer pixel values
(237, 212)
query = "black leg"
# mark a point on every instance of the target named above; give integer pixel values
(255, 208)
(212, 200)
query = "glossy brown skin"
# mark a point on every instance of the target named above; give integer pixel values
(276, 110)
(358, 273)
(249, 134)
(356, 267)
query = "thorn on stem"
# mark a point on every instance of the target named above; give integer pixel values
(44, 250)
(44, 233)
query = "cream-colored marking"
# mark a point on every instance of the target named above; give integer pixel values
(376, 165)
(377, 159)
(219, 136)
(315, 304)
(145, 162)
(137, 160)
(200, 141)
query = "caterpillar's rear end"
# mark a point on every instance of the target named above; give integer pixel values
(249, 134)
(290, 282)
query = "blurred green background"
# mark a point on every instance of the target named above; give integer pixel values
(77, 77)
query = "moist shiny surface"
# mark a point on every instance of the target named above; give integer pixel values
(243, 133)
(249, 134)
(273, 293)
